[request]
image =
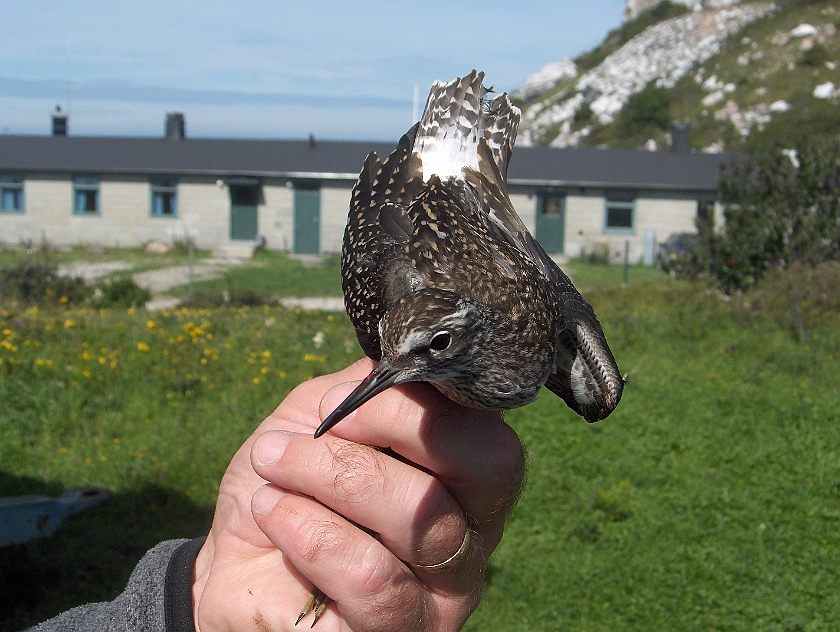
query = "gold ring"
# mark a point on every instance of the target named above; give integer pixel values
(452, 561)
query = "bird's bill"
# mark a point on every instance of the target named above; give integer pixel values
(381, 378)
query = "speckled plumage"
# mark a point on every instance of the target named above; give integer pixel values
(444, 283)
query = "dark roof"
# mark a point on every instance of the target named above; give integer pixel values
(616, 168)
(538, 166)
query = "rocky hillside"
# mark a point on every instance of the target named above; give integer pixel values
(741, 75)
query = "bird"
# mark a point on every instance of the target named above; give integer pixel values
(444, 284)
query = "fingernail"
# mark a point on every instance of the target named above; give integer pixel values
(265, 498)
(333, 397)
(270, 446)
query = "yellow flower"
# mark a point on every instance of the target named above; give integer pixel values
(7, 332)
(150, 324)
(63, 299)
(256, 380)
(69, 323)
(311, 357)
(142, 346)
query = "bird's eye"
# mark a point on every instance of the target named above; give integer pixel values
(440, 341)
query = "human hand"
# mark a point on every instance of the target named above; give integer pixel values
(355, 521)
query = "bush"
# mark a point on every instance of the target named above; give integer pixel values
(815, 56)
(646, 112)
(32, 283)
(121, 293)
(781, 207)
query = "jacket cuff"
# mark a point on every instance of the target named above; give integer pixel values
(178, 585)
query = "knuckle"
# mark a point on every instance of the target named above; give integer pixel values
(318, 540)
(440, 526)
(397, 600)
(507, 460)
(509, 466)
(357, 472)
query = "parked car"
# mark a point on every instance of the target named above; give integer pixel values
(677, 254)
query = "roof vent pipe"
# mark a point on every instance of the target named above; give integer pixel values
(59, 122)
(175, 127)
(679, 138)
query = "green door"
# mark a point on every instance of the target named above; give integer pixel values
(551, 221)
(307, 220)
(243, 211)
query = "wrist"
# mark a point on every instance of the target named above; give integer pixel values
(201, 572)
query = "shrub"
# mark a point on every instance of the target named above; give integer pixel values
(121, 293)
(781, 207)
(33, 283)
(646, 111)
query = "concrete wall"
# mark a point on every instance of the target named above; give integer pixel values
(663, 213)
(335, 205)
(276, 214)
(125, 217)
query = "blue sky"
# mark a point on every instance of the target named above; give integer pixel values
(258, 69)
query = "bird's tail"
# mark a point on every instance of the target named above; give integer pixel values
(458, 115)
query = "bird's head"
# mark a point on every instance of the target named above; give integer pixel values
(430, 335)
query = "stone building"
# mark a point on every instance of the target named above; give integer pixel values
(294, 195)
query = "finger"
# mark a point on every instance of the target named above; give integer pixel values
(371, 588)
(475, 454)
(412, 512)
(300, 408)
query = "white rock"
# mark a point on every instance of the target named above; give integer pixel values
(664, 53)
(779, 106)
(792, 156)
(548, 77)
(156, 248)
(824, 90)
(713, 97)
(804, 30)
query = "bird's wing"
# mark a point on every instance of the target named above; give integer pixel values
(586, 375)
(376, 271)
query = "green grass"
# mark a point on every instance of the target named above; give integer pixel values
(274, 274)
(709, 501)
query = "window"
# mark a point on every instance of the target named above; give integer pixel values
(11, 194)
(164, 197)
(86, 196)
(620, 211)
(551, 205)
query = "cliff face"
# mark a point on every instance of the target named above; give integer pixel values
(663, 53)
(727, 71)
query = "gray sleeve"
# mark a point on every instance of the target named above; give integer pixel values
(140, 607)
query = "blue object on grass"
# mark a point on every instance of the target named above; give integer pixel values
(25, 518)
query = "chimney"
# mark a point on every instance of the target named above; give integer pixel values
(175, 125)
(679, 138)
(59, 122)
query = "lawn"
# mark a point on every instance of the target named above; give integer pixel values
(710, 500)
